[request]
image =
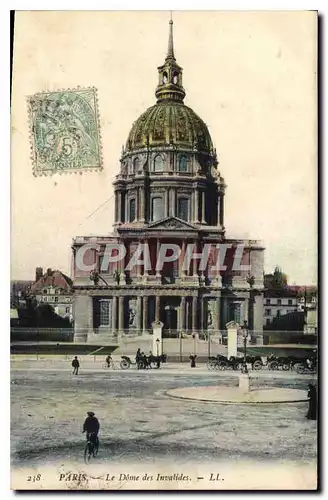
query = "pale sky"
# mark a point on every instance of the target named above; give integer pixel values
(251, 76)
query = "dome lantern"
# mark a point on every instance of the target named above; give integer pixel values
(170, 76)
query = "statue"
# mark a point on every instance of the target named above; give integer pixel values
(132, 315)
(209, 318)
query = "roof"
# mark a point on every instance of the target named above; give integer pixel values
(277, 293)
(55, 279)
(169, 123)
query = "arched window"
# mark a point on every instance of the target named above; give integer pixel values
(183, 164)
(157, 209)
(175, 78)
(164, 78)
(132, 210)
(158, 164)
(183, 208)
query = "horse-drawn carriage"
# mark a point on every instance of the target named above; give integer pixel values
(221, 362)
(147, 362)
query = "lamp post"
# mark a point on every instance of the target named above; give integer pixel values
(157, 346)
(244, 330)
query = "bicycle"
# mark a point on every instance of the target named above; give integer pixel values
(91, 448)
(111, 365)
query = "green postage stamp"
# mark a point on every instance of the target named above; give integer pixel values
(65, 131)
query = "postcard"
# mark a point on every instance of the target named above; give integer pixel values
(164, 326)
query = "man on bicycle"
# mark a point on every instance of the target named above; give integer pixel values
(91, 426)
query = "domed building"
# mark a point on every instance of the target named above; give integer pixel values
(169, 194)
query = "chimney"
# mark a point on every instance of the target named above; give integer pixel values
(38, 273)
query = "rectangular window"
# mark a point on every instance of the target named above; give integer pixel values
(268, 312)
(290, 302)
(279, 302)
(278, 314)
(267, 321)
(157, 209)
(132, 210)
(183, 208)
(56, 299)
(267, 302)
(67, 310)
(104, 312)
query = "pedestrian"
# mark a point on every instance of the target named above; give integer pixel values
(193, 361)
(108, 360)
(144, 361)
(312, 395)
(76, 365)
(138, 359)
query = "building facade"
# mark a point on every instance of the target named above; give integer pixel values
(168, 191)
(277, 305)
(54, 288)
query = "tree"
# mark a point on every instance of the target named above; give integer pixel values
(276, 281)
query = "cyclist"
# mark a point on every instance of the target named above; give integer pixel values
(91, 426)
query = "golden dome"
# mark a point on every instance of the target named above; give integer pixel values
(170, 123)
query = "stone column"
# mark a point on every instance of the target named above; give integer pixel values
(126, 208)
(158, 273)
(83, 314)
(114, 308)
(157, 308)
(194, 313)
(145, 313)
(202, 313)
(183, 313)
(218, 313)
(225, 305)
(182, 257)
(167, 203)
(258, 319)
(203, 207)
(188, 306)
(196, 208)
(174, 202)
(219, 212)
(142, 205)
(194, 261)
(246, 309)
(121, 313)
(139, 311)
(116, 207)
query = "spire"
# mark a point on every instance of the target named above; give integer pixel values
(170, 49)
(170, 75)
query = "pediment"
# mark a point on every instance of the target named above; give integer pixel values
(171, 223)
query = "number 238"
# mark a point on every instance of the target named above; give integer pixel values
(34, 478)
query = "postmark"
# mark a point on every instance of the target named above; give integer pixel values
(65, 131)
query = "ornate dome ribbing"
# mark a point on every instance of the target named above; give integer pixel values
(168, 123)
